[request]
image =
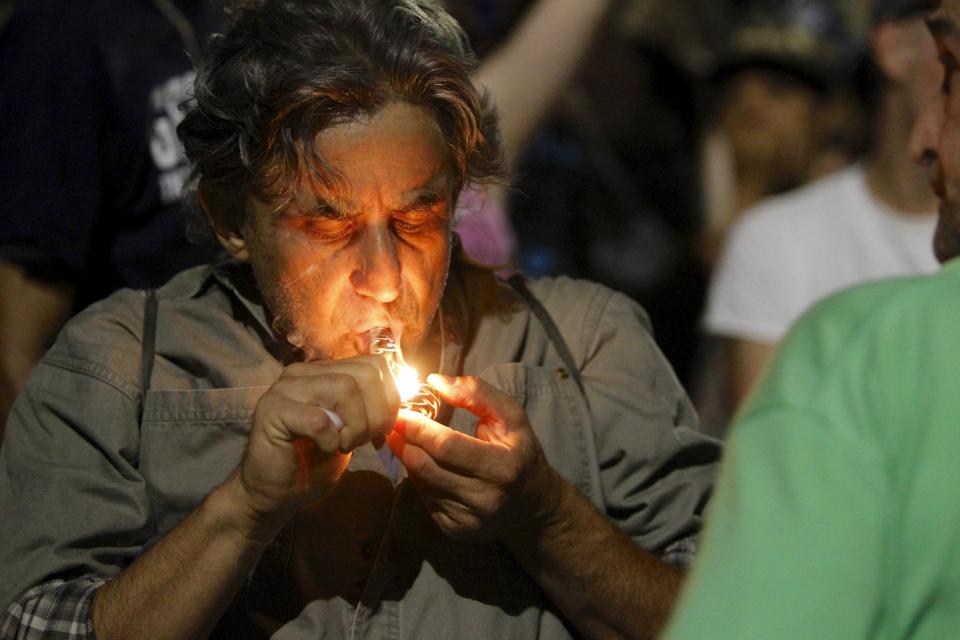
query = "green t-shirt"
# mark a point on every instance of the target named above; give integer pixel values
(837, 510)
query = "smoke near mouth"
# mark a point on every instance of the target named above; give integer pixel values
(292, 320)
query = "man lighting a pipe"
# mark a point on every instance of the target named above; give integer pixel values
(208, 460)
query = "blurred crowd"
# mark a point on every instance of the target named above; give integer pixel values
(661, 128)
(652, 152)
(672, 167)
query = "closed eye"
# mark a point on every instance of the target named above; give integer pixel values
(322, 222)
(323, 210)
(427, 212)
(413, 220)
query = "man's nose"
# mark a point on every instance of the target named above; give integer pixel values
(377, 273)
(925, 135)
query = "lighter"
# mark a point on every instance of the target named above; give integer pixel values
(414, 395)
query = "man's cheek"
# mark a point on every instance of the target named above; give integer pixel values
(950, 169)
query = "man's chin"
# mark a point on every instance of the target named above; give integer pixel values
(946, 237)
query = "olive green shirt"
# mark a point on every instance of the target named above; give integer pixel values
(86, 486)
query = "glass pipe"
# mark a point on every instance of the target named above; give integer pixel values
(414, 395)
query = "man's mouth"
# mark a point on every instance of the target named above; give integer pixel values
(362, 334)
(361, 341)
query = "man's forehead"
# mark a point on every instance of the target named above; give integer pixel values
(342, 193)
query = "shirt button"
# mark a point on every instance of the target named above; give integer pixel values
(366, 551)
(563, 373)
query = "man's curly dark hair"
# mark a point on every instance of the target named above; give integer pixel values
(285, 70)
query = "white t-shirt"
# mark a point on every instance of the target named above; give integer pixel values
(791, 250)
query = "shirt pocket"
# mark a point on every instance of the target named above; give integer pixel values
(190, 442)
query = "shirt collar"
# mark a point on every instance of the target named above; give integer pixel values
(236, 278)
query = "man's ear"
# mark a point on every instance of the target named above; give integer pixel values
(894, 49)
(224, 224)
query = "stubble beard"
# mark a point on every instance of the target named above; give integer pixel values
(946, 238)
(291, 321)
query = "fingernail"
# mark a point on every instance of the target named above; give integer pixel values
(395, 442)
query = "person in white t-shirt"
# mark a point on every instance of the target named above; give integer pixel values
(865, 222)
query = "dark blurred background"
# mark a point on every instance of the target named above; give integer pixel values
(674, 118)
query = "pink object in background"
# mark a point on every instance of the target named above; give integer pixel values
(484, 228)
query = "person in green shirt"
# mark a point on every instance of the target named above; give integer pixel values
(835, 514)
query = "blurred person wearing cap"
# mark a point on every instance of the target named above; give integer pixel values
(774, 109)
(871, 220)
(834, 514)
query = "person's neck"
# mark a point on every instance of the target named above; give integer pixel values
(891, 176)
(753, 183)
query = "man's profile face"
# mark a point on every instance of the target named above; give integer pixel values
(371, 249)
(922, 75)
(935, 141)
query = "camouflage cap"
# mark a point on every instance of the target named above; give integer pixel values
(807, 39)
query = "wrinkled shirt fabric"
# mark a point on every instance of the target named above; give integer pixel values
(93, 471)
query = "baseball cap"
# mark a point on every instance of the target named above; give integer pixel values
(808, 39)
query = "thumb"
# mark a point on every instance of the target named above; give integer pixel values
(476, 396)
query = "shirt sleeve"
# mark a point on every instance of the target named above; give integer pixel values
(57, 609)
(656, 468)
(72, 499)
(795, 541)
(752, 294)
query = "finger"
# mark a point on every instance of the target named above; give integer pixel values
(478, 397)
(316, 444)
(453, 520)
(288, 420)
(339, 392)
(396, 443)
(452, 450)
(347, 392)
(380, 390)
(353, 404)
(371, 383)
(349, 365)
(431, 477)
(458, 510)
(390, 390)
(314, 465)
